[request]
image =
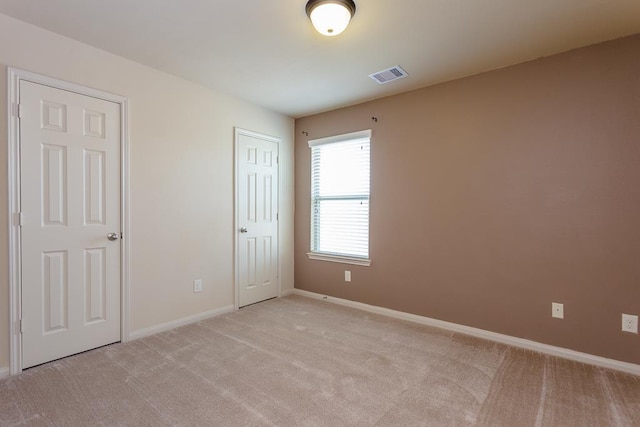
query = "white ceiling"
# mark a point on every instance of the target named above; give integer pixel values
(267, 52)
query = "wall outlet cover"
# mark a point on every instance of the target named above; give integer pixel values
(347, 276)
(630, 323)
(557, 310)
(197, 285)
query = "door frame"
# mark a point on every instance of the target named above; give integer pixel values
(15, 76)
(236, 271)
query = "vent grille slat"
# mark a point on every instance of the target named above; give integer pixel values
(389, 75)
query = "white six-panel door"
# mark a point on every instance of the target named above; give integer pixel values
(257, 217)
(70, 200)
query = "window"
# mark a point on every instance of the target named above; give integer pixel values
(340, 170)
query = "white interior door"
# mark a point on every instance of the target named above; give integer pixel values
(257, 217)
(70, 202)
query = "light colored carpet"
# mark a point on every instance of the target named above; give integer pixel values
(300, 362)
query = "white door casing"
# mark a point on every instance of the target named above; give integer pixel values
(68, 164)
(257, 195)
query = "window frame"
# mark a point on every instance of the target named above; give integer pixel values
(331, 257)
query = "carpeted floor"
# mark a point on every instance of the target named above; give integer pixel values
(300, 362)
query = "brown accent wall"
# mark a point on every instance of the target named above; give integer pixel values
(495, 195)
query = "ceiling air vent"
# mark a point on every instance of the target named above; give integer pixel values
(389, 75)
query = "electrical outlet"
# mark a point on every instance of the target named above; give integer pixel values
(629, 323)
(197, 285)
(557, 310)
(347, 276)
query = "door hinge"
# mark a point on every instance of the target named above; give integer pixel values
(277, 216)
(19, 219)
(21, 326)
(19, 111)
(278, 159)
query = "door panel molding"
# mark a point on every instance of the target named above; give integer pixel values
(15, 76)
(267, 159)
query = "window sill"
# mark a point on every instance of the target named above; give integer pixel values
(339, 258)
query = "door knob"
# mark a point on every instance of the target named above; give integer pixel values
(243, 230)
(112, 236)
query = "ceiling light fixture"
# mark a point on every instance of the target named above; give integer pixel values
(330, 17)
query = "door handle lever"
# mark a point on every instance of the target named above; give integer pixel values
(243, 229)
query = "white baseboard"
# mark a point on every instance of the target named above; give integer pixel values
(152, 330)
(577, 356)
(287, 293)
(4, 373)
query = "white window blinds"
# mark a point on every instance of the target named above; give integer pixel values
(340, 175)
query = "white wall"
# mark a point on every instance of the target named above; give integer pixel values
(181, 186)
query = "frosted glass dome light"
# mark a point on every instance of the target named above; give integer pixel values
(330, 17)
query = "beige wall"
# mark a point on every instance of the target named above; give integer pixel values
(181, 187)
(494, 195)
